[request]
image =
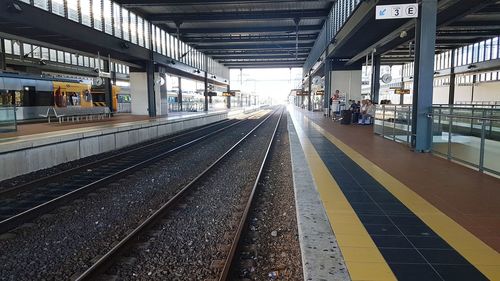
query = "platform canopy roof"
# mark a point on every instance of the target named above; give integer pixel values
(459, 23)
(241, 33)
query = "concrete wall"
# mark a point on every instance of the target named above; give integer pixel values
(347, 82)
(441, 95)
(487, 91)
(22, 157)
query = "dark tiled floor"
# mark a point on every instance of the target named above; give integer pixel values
(470, 198)
(410, 247)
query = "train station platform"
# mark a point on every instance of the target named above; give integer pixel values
(42, 145)
(395, 214)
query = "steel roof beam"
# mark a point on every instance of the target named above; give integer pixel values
(286, 56)
(249, 30)
(265, 65)
(232, 16)
(248, 39)
(142, 3)
(250, 52)
(284, 47)
(263, 61)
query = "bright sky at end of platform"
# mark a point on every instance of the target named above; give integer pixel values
(267, 82)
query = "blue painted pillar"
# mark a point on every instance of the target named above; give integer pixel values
(328, 85)
(150, 78)
(375, 85)
(425, 43)
(309, 103)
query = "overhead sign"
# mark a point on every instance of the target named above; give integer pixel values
(402, 91)
(396, 11)
(320, 93)
(229, 94)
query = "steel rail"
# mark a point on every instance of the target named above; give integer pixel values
(30, 214)
(107, 260)
(242, 224)
(26, 186)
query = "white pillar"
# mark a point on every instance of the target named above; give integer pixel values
(348, 82)
(139, 93)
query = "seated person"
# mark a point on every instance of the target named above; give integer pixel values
(354, 106)
(368, 112)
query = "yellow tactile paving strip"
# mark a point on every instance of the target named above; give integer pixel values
(480, 255)
(362, 257)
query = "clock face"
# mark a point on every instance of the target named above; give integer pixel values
(98, 81)
(386, 78)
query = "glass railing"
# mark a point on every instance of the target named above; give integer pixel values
(469, 134)
(8, 121)
(393, 122)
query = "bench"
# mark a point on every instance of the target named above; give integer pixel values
(66, 114)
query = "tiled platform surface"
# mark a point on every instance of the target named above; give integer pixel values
(362, 191)
(119, 120)
(467, 196)
(321, 257)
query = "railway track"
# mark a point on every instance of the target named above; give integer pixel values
(23, 203)
(140, 235)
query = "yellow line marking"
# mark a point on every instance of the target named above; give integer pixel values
(478, 253)
(362, 257)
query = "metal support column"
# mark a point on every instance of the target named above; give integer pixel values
(108, 87)
(241, 87)
(375, 85)
(328, 86)
(150, 78)
(451, 94)
(425, 43)
(402, 97)
(206, 85)
(179, 94)
(228, 105)
(309, 104)
(3, 63)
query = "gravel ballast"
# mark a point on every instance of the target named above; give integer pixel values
(185, 245)
(270, 248)
(59, 245)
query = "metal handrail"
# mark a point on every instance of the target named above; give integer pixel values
(430, 115)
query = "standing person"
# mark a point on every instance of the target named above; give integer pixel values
(336, 96)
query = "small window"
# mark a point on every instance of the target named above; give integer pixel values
(36, 52)
(67, 58)
(45, 53)
(53, 55)
(60, 56)
(73, 10)
(8, 46)
(74, 59)
(58, 7)
(43, 4)
(97, 14)
(27, 51)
